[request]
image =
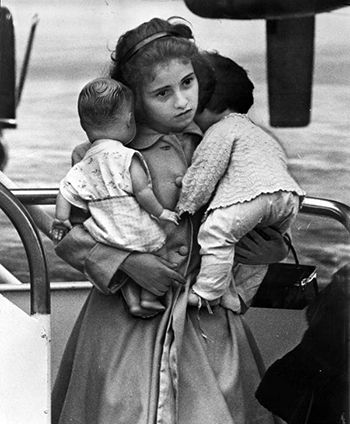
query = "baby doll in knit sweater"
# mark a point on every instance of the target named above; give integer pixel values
(241, 170)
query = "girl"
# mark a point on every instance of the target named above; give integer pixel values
(118, 368)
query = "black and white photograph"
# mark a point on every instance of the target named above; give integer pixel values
(174, 212)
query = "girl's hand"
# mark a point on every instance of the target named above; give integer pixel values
(261, 247)
(151, 272)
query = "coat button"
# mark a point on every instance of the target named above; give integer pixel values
(178, 181)
(183, 250)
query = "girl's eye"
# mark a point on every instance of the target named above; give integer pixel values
(162, 93)
(188, 81)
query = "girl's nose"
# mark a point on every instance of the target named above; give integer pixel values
(180, 100)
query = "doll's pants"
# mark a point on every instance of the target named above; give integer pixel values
(224, 227)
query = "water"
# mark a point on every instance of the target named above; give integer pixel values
(72, 45)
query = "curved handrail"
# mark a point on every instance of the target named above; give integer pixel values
(27, 230)
(327, 208)
(36, 196)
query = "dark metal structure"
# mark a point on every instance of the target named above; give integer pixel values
(290, 33)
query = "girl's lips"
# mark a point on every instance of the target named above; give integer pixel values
(184, 114)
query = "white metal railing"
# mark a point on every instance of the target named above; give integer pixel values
(327, 208)
(33, 199)
(26, 355)
(310, 205)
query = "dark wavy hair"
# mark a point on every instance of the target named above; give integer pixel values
(141, 66)
(233, 88)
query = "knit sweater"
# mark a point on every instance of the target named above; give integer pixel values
(235, 162)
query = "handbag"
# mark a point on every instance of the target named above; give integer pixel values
(287, 285)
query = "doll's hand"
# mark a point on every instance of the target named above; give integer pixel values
(59, 229)
(260, 247)
(171, 216)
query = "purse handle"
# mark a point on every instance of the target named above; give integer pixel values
(288, 242)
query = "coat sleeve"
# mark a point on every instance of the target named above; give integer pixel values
(97, 261)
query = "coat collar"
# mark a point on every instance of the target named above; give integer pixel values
(146, 137)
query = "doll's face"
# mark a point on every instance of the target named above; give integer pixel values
(169, 101)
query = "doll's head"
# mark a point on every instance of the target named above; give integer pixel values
(106, 110)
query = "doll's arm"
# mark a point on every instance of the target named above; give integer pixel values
(63, 208)
(144, 193)
(61, 224)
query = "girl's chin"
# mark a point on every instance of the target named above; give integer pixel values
(183, 123)
(174, 126)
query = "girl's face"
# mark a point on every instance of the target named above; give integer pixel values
(169, 102)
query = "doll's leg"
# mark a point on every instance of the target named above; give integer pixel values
(151, 301)
(132, 295)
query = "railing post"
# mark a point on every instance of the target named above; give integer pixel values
(40, 307)
(26, 228)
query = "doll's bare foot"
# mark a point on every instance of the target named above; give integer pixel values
(153, 305)
(139, 311)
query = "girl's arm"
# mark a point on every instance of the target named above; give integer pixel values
(151, 272)
(144, 194)
(101, 264)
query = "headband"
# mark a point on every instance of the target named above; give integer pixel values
(138, 46)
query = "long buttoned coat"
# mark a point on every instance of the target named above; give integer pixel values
(182, 366)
